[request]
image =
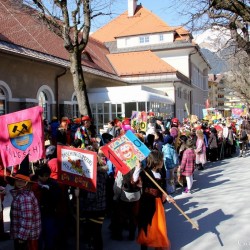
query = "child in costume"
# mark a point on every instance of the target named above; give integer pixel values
(152, 230)
(25, 217)
(187, 166)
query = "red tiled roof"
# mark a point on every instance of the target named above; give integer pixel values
(143, 22)
(139, 63)
(21, 27)
(182, 31)
(182, 34)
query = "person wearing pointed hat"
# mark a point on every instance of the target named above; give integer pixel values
(25, 217)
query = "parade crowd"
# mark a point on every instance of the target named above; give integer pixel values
(43, 210)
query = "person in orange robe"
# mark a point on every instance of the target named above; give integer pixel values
(152, 228)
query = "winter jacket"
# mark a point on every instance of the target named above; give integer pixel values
(188, 162)
(200, 151)
(95, 201)
(53, 127)
(212, 141)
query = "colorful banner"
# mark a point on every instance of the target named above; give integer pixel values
(124, 152)
(77, 167)
(139, 120)
(211, 114)
(237, 112)
(22, 134)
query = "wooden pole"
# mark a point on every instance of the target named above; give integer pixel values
(32, 168)
(163, 191)
(186, 107)
(77, 221)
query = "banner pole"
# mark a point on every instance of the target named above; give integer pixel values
(77, 220)
(174, 203)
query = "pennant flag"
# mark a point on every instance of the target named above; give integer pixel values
(124, 151)
(22, 134)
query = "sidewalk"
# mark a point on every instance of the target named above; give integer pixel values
(219, 204)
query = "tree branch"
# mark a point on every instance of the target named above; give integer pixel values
(234, 6)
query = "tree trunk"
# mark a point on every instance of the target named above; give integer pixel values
(79, 83)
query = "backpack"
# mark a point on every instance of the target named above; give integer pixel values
(170, 157)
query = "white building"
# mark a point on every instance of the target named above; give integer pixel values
(144, 50)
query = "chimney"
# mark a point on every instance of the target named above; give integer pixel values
(131, 7)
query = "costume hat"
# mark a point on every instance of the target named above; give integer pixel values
(23, 172)
(86, 118)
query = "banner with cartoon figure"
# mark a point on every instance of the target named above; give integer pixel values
(22, 134)
(77, 167)
(124, 152)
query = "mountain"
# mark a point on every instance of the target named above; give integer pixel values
(214, 47)
(218, 65)
(214, 40)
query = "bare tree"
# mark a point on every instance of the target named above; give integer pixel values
(71, 21)
(230, 18)
(238, 78)
(228, 15)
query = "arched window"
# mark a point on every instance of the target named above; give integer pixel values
(43, 102)
(46, 99)
(2, 102)
(75, 107)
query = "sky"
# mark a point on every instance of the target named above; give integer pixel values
(158, 7)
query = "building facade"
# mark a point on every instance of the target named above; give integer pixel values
(144, 50)
(135, 53)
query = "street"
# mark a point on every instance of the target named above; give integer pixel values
(219, 204)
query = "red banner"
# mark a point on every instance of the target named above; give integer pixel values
(125, 151)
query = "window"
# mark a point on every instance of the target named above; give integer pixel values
(45, 98)
(161, 38)
(2, 102)
(185, 94)
(43, 102)
(141, 106)
(144, 39)
(75, 107)
(179, 92)
(116, 110)
(155, 107)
